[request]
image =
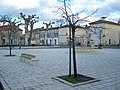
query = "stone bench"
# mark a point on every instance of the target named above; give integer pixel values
(30, 59)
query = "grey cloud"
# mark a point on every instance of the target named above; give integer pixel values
(111, 7)
(14, 12)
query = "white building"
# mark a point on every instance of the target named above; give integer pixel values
(57, 35)
(41, 36)
(63, 35)
(99, 32)
(105, 32)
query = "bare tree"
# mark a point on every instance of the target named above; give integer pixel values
(46, 31)
(72, 20)
(34, 19)
(12, 26)
(29, 20)
(26, 22)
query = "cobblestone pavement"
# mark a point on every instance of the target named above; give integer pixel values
(102, 64)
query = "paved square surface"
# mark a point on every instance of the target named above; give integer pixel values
(102, 64)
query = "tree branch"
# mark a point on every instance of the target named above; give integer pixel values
(86, 16)
(90, 14)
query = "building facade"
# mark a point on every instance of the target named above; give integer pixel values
(56, 36)
(41, 36)
(100, 32)
(8, 33)
(63, 35)
(105, 32)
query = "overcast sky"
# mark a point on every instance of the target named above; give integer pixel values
(44, 8)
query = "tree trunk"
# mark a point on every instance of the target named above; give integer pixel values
(69, 50)
(10, 51)
(26, 30)
(30, 37)
(74, 54)
(9, 33)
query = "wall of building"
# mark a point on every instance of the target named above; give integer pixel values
(43, 37)
(112, 34)
(109, 34)
(1, 38)
(63, 36)
(5, 37)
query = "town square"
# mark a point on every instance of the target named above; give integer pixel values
(102, 64)
(59, 45)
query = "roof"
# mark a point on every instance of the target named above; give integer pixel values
(38, 29)
(43, 29)
(6, 28)
(68, 26)
(54, 28)
(104, 21)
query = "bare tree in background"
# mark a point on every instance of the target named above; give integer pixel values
(72, 20)
(34, 19)
(29, 20)
(46, 31)
(13, 25)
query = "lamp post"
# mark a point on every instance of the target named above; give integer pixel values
(101, 34)
(100, 37)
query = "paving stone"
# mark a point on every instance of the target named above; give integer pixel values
(102, 64)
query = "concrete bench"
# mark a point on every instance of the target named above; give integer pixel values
(30, 59)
